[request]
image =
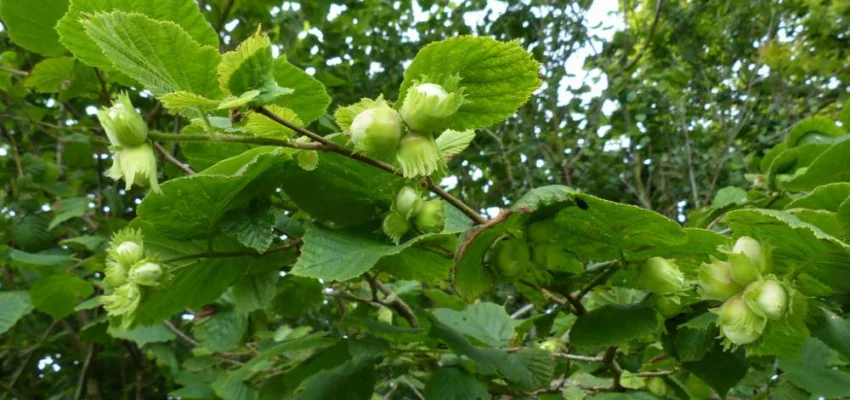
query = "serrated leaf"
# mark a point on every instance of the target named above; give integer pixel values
(819, 381)
(734, 369)
(832, 330)
(57, 294)
(89, 243)
(830, 166)
(695, 338)
(249, 68)
(221, 331)
(255, 291)
(333, 254)
(497, 77)
(238, 101)
(310, 100)
(262, 126)
(826, 197)
(159, 54)
(31, 233)
(13, 307)
(181, 100)
(252, 227)
(185, 13)
(67, 209)
(488, 323)
(191, 207)
(354, 379)
(296, 296)
(604, 326)
(49, 75)
(143, 335)
(453, 142)
(45, 263)
(452, 383)
(31, 26)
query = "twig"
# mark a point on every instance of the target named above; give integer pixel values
(333, 147)
(186, 338)
(170, 158)
(524, 309)
(13, 71)
(648, 39)
(576, 357)
(610, 358)
(84, 374)
(398, 304)
(649, 374)
(224, 14)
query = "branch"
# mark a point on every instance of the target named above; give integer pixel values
(84, 374)
(576, 357)
(648, 37)
(182, 335)
(170, 158)
(610, 358)
(398, 304)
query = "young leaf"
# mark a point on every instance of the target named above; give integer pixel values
(453, 142)
(249, 68)
(262, 126)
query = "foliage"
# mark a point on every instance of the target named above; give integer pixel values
(258, 217)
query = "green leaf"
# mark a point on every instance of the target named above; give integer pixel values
(695, 338)
(488, 323)
(831, 166)
(826, 197)
(819, 381)
(44, 263)
(313, 342)
(67, 209)
(796, 245)
(249, 68)
(334, 254)
(88, 243)
(452, 142)
(192, 206)
(815, 129)
(222, 331)
(31, 25)
(734, 368)
(31, 233)
(262, 126)
(605, 325)
(143, 335)
(182, 100)
(49, 75)
(354, 380)
(253, 227)
(255, 291)
(184, 13)
(832, 330)
(13, 307)
(452, 383)
(728, 196)
(497, 77)
(359, 191)
(310, 99)
(296, 296)
(159, 54)
(58, 294)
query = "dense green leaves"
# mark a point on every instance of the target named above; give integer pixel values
(452, 383)
(487, 323)
(497, 77)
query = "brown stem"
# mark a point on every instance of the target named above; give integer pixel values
(170, 158)
(610, 358)
(398, 304)
(84, 374)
